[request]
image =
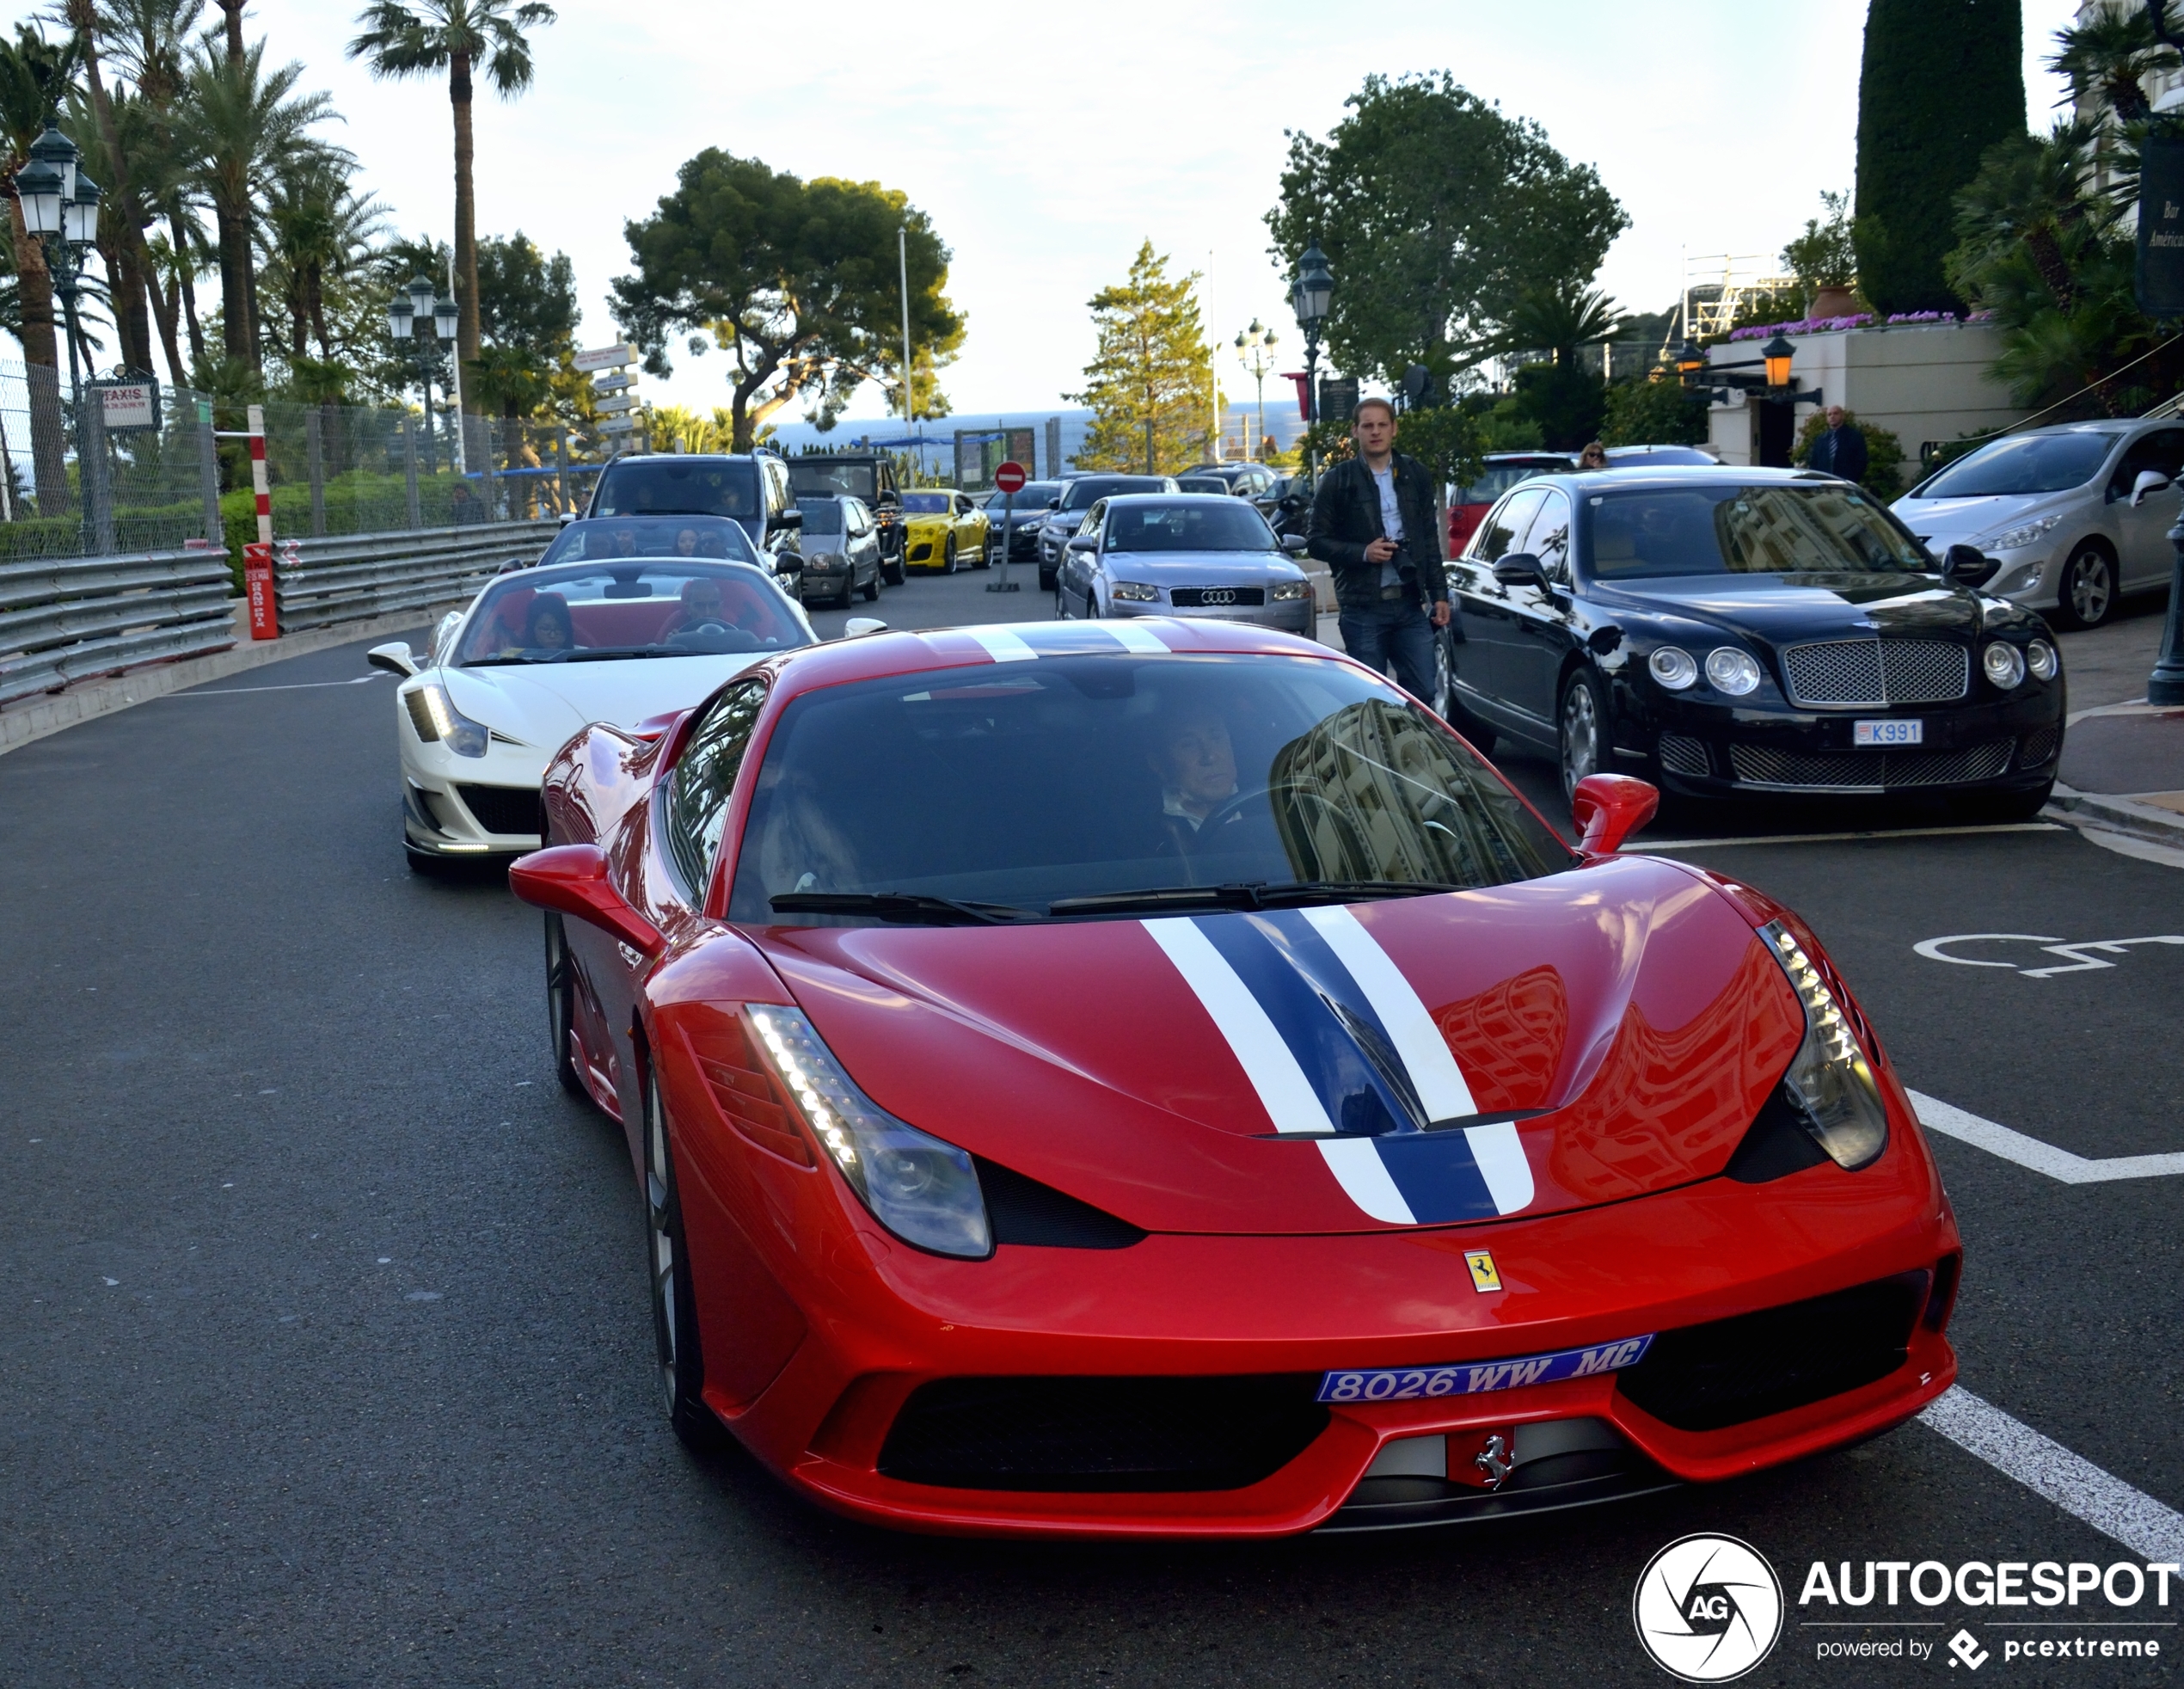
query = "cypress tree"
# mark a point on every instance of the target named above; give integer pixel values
(1941, 80)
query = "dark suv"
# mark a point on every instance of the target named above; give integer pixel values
(866, 476)
(752, 490)
(1066, 513)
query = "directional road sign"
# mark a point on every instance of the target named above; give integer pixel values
(606, 357)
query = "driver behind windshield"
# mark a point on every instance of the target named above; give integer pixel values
(1196, 764)
(701, 608)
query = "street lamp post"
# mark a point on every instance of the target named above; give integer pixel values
(1254, 352)
(412, 313)
(1311, 296)
(60, 212)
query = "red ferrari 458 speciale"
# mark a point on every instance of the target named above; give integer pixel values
(1153, 1078)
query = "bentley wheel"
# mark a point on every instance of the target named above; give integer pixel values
(947, 556)
(2088, 591)
(674, 1303)
(1584, 725)
(1443, 675)
(561, 1006)
(984, 558)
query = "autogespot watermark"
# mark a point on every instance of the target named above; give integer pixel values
(1706, 1608)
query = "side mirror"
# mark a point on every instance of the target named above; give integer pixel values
(858, 626)
(1520, 568)
(1294, 544)
(1084, 542)
(1968, 566)
(568, 517)
(2150, 481)
(784, 519)
(1054, 503)
(789, 563)
(394, 658)
(1608, 808)
(572, 879)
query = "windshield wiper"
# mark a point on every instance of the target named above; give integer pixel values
(914, 907)
(600, 653)
(1252, 894)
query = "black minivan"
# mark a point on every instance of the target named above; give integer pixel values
(751, 489)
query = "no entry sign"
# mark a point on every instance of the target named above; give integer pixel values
(1009, 477)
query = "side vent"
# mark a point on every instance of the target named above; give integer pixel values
(1023, 1211)
(746, 1096)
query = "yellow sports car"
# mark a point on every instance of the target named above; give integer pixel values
(943, 530)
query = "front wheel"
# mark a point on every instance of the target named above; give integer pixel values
(1582, 730)
(674, 1301)
(2088, 590)
(984, 556)
(947, 556)
(561, 1005)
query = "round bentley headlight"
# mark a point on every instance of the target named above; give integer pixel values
(1672, 667)
(2041, 658)
(2004, 664)
(1731, 671)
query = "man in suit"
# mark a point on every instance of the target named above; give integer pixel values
(1842, 450)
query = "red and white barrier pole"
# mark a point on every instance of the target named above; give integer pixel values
(257, 559)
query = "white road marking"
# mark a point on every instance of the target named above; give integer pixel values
(1639, 847)
(300, 686)
(2148, 1527)
(2080, 963)
(1952, 1121)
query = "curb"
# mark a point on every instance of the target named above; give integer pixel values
(2118, 814)
(50, 712)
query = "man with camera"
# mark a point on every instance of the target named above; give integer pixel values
(1374, 525)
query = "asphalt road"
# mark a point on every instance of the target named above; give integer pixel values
(325, 1359)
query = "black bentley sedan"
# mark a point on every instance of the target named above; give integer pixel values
(1728, 631)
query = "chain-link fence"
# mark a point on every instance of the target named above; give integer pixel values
(72, 487)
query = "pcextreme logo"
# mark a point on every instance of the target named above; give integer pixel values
(1708, 1609)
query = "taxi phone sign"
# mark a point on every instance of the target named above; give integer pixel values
(1009, 477)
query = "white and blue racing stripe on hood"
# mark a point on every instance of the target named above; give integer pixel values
(1027, 642)
(1338, 1046)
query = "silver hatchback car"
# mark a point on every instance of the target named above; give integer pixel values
(2074, 516)
(1183, 554)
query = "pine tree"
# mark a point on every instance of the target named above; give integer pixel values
(1148, 383)
(1942, 82)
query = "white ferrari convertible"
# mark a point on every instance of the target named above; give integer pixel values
(624, 618)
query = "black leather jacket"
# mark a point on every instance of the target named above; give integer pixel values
(1345, 519)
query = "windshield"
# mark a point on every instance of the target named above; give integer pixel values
(650, 537)
(927, 504)
(1231, 525)
(1088, 776)
(1031, 496)
(1823, 528)
(1650, 456)
(821, 516)
(1498, 478)
(1088, 490)
(820, 478)
(642, 607)
(1201, 483)
(697, 486)
(2024, 464)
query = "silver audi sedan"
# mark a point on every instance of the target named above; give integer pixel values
(1183, 554)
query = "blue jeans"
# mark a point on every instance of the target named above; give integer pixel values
(1395, 631)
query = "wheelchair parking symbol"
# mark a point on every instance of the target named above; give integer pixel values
(2081, 957)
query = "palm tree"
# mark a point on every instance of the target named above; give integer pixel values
(240, 124)
(457, 37)
(316, 229)
(2106, 55)
(1560, 320)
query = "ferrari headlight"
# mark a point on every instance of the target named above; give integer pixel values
(1731, 671)
(1134, 592)
(434, 716)
(1288, 592)
(924, 1191)
(2004, 664)
(1828, 1081)
(1673, 667)
(2024, 534)
(2041, 658)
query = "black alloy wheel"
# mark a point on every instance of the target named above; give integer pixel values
(871, 588)
(674, 1300)
(561, 1005)
(1582, 729)
(947, 556)
(2087, 594)
(1442, 696)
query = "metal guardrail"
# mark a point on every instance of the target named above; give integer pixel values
(70, 619)
(318, 582)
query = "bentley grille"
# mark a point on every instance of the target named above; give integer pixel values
(1764, 765)
(1878, 672)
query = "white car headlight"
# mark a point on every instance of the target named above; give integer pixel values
(924, 1191)
(2023, 534)
(1828, 1081)
(434, 716)
(1731, 671)
(2004, 664)
(1134, 592)
(2041, 658)
(1672, 667)
(1288, 592)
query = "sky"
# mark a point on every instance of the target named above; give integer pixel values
(1046, 143)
